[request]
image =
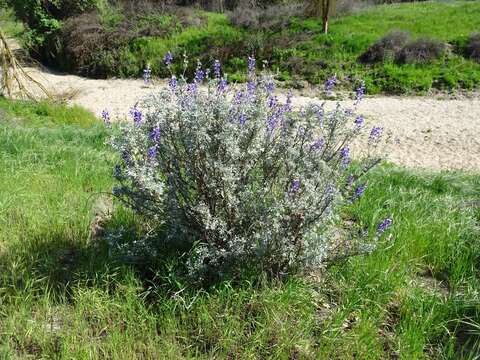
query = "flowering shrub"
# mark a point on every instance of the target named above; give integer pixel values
(240, 176)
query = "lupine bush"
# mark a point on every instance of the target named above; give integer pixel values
(240, 177)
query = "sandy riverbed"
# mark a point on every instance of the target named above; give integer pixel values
(427, 132)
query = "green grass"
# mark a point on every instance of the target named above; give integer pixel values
(62, 296)
(47, 113)
(9, 25)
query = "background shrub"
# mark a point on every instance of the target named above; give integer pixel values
(241, 178)
(421, 51)
(472, 48)
(270, 18)
(386, 48)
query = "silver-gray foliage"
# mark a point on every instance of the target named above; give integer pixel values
(245, 179)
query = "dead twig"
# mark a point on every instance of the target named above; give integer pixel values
(15, 82)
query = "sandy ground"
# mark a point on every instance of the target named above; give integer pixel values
(427, 132)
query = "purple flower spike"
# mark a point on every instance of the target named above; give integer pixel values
(243, 119)
(237, 100)
(288, 103)
(294, 187)
(330, 84)
(251, 63)
(251, 86)
(345, 156)
(147, 74)
(375, 134)
(384, 225)
(117, 172)
(126, 156)
(321, 115)
(172, 83)
(106, 117)
(155, 134)
(168, 58)
(222, 85)
(359, 121)
(359, 92)
(350, 180)
(272, 101)
(272, 123)
(199, 75)
(192, 87)
(217, 68)
(318, 144)
(152, 152)
(136, 115)
(359, 191)
(270, 87)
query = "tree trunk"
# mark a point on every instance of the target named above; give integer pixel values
(326, 14)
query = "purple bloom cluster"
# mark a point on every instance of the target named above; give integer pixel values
(318, 144)
(345, 157)
(117, 172)
(359, 191)
(272, 102)
(192, 87)
(359, 92)
(147, 74)
(172, 83)
(251, 63)
(359, 121)
(272, 122)
(126, 156)
(251, 86)
(106, 117)
(168, 58)
(330, 84)
(350, 180)
(294, 187)
(270, 87)
(237, 99)
(152, 152)
(375, 134)
(288, 103)
(320, 115)
(155, 134)
(242, 119)
(222, 85)
(278, 112)
(136, 115)
(199, 75)
(384, 225)
(217, 68)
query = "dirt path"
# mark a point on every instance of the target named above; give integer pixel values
(427, 132)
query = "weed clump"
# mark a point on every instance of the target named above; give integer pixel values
(386, 48)
(421, 51)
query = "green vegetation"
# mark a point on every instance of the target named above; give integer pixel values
(47, 113)
(64, 295)
(114, 41)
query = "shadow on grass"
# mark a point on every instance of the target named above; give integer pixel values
(57, 261)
